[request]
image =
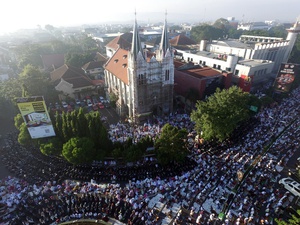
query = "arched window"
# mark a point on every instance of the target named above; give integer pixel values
(167, 75)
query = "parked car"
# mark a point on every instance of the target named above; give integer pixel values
(78, 102)
(95, 107)
(89, 102)
(64, 104)
(291, 185)
(102, 99)
(100, 105)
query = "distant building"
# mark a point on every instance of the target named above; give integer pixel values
(181, 41)
(254, 26)
(142, 80)
(250, 55)
(71, 82)
(94, 69)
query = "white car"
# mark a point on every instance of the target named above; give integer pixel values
(89, 102)
(291, 185)
(64, 104)
(78, 102)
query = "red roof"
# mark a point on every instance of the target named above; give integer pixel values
(93, 65)
(123, 41)
(72, 75)
(117, 65)
(100, 58)
(203, 72)
(181, 39)
(98, 82)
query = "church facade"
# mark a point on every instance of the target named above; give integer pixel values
(141, 80)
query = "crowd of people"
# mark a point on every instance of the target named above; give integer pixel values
(47, 190)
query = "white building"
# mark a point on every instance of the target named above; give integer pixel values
(254, 26)
(250, 55)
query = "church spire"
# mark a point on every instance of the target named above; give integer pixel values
(164, 43)
(136, 46)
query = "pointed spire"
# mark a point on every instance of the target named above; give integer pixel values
(164, 43)
(136, 46)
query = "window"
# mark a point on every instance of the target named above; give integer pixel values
(236, 72)
(142, 79)
(167, 75)
(214, 66)
(200, 61)
(219, 67)
(204, 63)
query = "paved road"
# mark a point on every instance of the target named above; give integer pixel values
(6, 126)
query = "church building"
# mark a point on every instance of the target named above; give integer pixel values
(142, 80)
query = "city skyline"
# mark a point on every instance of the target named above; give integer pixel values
(17, 14)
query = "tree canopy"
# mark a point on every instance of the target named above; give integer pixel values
(206, 32)
(219, 115)
(294, 220)
(79, 150)
(171, 145)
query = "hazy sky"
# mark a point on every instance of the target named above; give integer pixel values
(17, 14)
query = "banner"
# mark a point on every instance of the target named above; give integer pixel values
(36, 117)
(245, 82)
(285, 77)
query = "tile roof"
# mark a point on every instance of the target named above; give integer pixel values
(122, 41)
(99, 57)
(181, 39)
(72, 75)
(93, 65)
(204, 72)
(118, 64)
(196, 70)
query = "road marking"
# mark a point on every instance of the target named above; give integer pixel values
(109, 112)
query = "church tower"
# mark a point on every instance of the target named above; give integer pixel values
(151, 78)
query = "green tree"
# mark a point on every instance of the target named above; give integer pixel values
(94, 127)
(81, 124)
(52, 147)
(113, 99)
(49, 28)
(171, 145)
(206, 32)
(18, 119)
(35, 83)
(133, 153)
(221, 113)
(24, 137)
(295, 220)
(78, 59)
(10, 89)
(278, 31)
(222, 24)
(79, 150)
